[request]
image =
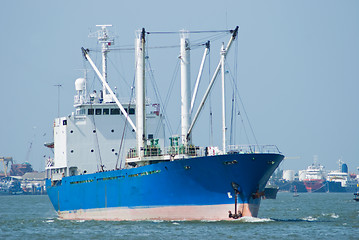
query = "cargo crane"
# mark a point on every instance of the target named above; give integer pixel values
(7, 160)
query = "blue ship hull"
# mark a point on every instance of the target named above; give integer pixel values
(193, 188)
(337, 187)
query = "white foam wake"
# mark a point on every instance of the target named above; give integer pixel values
(310, 219)
(254, 220)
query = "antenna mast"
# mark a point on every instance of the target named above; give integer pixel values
(103, 37)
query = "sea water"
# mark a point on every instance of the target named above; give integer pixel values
(309, 216)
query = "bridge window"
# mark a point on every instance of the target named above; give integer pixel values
(98, 111)
(115, 111)
(80, 111)
(132, 111)
(90, 111)
(106, 111)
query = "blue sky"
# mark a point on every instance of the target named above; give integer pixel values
(298, 68)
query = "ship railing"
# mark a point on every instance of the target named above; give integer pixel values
(189, 150)
(195, 151)
(252, 149)
(153, 151)
(80, 99)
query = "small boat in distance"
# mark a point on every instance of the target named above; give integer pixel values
(356, 196)
(295, 194)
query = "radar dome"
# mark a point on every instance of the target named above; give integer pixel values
(80, 84)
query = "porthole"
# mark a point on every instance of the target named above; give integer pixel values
(72, 151)
(92, 150)
(113, 150)
(112, 130)
(72, 131)
(94, 131)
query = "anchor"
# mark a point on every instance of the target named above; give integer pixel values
(236, 214)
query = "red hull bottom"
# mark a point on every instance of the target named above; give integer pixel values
(313, 185)
(179, 213)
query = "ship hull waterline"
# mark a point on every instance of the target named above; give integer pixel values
(198, 188)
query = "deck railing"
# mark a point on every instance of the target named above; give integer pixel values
(252, 149)
(195, 151)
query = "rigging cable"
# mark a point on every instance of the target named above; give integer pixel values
(119, 73)
(171, 88)
(195, 44)
(124, 128)
(158, 97)
(245, 112)
(101, 168)
(234, 105)
(177, 32)
(239, 113)
(236, 64)
(232, 124)
(156, 91)
(96, 139)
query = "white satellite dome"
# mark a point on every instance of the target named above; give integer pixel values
(80, 84)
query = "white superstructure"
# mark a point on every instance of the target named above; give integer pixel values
(342, 176)
(315, 171)
(98, 136)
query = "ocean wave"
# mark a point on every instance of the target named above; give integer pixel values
(309, 219)
(157, 221)
(254, 220)
(210, 221)
(332, 215)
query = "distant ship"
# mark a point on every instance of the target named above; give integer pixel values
(89, 179)
(314, 179)
(341, 181)
(270, 192)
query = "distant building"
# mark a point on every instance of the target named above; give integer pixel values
(288, 175)
(20, 169)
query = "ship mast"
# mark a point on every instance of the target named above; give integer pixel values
(185, 88)
(140, 93)
(106, 42)
(224, 128)
(224, 53)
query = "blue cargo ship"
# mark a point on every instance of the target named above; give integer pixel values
(109, 164)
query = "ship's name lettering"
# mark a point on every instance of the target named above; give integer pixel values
(144, 173)
(83, 181)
